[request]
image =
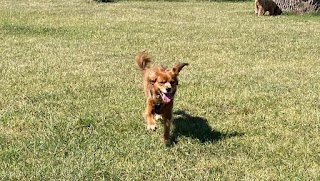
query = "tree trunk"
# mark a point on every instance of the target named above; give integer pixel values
(299, 6)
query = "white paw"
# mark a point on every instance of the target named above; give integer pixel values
(152, 127)
(158, 117)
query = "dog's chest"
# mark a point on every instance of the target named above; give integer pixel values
(157, 108)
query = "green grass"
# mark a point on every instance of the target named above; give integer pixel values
(71, 98)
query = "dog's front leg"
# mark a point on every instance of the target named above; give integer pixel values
(167, 119)
(148, 116)
(261, 11)
(256, 8)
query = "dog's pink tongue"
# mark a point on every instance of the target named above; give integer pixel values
(165, 98)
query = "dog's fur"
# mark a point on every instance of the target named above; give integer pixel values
(160, 86)
(262, 6)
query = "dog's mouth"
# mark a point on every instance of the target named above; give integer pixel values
(166, 97)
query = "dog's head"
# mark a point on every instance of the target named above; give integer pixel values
(277, 11)
(164, 82)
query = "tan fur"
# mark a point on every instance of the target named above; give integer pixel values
(262, 6)
(158, 81)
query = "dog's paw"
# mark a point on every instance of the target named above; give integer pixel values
(152, 127)
(158, 117)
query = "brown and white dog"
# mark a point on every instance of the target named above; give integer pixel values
(262, 6)
(160, 86)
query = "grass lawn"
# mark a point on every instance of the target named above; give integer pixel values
(71, 98)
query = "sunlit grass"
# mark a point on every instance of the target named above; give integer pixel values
(71, 97)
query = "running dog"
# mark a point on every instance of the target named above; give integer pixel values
(160, 85)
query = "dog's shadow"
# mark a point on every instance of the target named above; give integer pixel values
(195, 127)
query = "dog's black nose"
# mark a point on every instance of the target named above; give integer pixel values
(168, 89)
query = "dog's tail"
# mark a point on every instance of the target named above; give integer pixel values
(143, 60)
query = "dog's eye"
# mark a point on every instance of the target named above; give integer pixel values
(162, 82)
(172, 82)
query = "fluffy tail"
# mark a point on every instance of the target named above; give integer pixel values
(143, 59)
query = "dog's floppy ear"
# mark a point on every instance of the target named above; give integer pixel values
(178, 67)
